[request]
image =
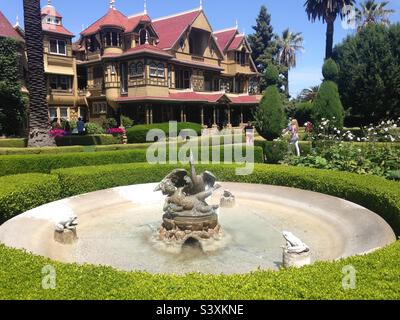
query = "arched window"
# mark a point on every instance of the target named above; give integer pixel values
(161, 70)
(143, 37)
(153, 70)
(136, 69)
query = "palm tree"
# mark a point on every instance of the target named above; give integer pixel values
(288, 46)
(309, 94)
(327, 10)
(371, 12)
(39, 122)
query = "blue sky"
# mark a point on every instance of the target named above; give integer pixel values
(222, 14)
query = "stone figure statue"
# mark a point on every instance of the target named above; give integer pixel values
(187, 194)
(68, 224)
(294, 244)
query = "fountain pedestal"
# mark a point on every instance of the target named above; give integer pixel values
(296, 260)
(181, 228)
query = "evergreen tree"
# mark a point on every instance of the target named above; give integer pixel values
(327, 104)
(270, 116)
(12, 107)
(263, 43)
(369, 77)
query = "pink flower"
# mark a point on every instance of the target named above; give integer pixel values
(116, 131)
(56, 133)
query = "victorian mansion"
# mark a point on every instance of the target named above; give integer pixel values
(152, 70)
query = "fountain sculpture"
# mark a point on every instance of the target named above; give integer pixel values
(187, 215)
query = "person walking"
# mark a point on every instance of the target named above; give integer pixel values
(80, 126)
(249, 131)
(294, 135)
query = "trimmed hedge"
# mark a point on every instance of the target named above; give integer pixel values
(87, 140)
(44, 163)
(13, 143)
(23, 192)
(377, 278)
(275, 151)
(138, 134)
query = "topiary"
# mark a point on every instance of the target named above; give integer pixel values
(330, 70)
(327, 105)
(270, 117)
(303, 112)
(272, 75)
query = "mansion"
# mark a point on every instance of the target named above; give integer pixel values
(175, 68)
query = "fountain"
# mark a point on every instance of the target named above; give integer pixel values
(187, 215)
(192, 223)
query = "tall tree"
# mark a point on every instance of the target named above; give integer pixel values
(12, 106)
(262, 43)
(371, 12)
(289, 44)
(39, 122)
(369, 77)
(327, 11)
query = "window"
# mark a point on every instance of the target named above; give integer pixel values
(169, 76)
(182, 79)
(93, 44)
(136, 69)
(64, 113)
(124, 78)
(53, 114)
(58, 47)
(143, 37)
(157, 70)
(99, 108)
(114, 37)
(153, 70)
(58, 82)
(160, 71)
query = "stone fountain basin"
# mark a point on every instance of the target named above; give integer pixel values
(118, 227)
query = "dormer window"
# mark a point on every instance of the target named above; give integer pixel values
(113, 39)
(58, 47)
(143, 37)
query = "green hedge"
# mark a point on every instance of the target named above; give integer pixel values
(138, 134)
(23, 192)
(44, 163)
(87, 140)
(13, 143)
(54, 150)
(275, 151)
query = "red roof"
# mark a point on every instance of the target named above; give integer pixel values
(245, 99)
(56, 29)
(7, 30)
(190, 96)
(224, 37)
(170, 29)
(236, 42)
(116, 19)
(145, 48)
(50, 11)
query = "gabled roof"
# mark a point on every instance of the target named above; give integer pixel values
(58, 29)
(50, 11)
(171, 28)
(114, 18)
(7, 30)
(236, 43)
(224, 37)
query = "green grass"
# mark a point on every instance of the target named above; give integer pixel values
(13, 143)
